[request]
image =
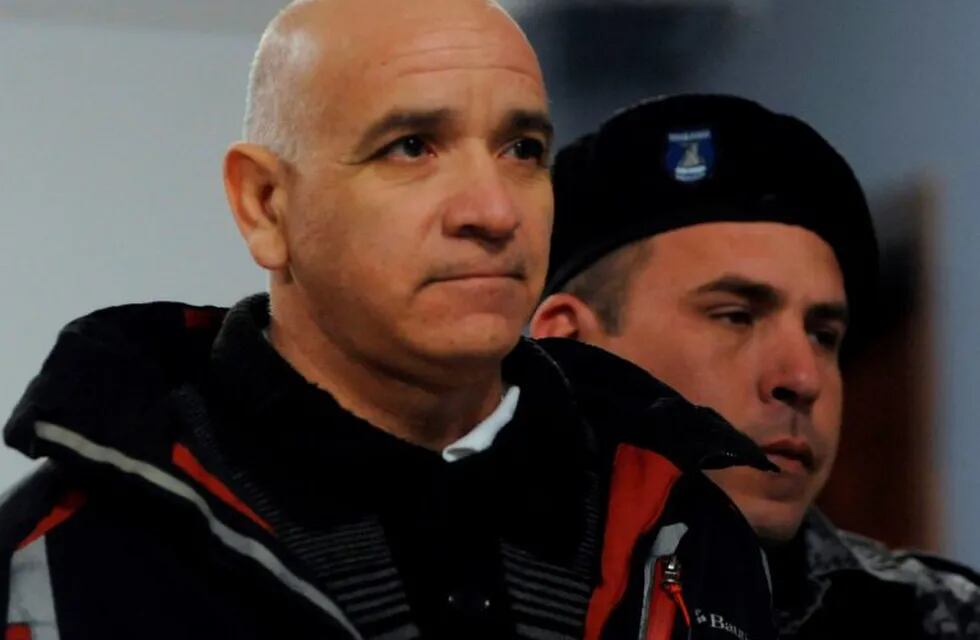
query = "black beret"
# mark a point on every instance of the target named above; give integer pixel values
(677, 161)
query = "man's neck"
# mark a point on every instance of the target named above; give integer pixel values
(432, 414)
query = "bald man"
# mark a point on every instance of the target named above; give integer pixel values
(370, 450)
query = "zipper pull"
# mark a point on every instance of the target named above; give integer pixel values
(672, 585)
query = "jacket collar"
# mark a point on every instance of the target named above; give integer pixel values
(111, 377)
(826, 550)
(833, 556)
(627, 405)
(269, 419)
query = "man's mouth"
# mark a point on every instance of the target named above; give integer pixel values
(476, 273)
(480, 275)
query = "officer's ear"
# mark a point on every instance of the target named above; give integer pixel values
(256, 183)
(562, 315)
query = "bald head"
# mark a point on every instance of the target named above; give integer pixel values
(395, 184)
(313, 48)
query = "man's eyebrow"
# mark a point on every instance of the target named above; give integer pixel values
(518, 122)
(757, 292)
(767, 295)
(402, 120)
(526, 120)
(828, 311)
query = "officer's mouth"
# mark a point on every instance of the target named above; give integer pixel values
(792, 455)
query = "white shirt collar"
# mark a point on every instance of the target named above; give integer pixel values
(483, 434)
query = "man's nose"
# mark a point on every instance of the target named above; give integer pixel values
(791, 373)
(482, 207)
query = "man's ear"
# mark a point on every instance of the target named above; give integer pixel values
(562, 315)
(255, 183)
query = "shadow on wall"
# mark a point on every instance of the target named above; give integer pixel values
(604, 45)
(885, 483)
(601, 56)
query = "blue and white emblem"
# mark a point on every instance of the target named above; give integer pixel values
(690, 154)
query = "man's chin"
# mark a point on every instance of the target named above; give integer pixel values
(478, 338)
(775, 521)
(777, 532)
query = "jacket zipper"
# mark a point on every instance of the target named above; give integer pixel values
(667, 599)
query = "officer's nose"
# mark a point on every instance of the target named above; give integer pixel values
(482, 207)
(790, 373)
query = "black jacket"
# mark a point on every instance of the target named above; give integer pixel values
(146, 522)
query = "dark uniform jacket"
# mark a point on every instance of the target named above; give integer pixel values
(197, 487)
(855, 587)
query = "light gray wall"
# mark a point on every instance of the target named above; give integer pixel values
(110, 162)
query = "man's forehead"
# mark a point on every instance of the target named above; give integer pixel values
(374, 56)
(370, 33)
(746, 242)
(790, 260)
(448, 46)
(446, 82)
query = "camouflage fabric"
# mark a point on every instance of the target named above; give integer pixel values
(946, 596)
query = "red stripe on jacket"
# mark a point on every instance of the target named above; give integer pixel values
(65, 508)
(185, 460)
(641, 482)
(18, 632)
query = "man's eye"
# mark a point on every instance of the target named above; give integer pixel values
(529, 149)
(407, 147)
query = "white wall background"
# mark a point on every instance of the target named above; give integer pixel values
(111, 139)
(111, 142)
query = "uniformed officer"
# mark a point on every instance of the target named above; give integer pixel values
(727, 249)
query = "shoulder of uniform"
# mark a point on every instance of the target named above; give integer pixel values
(868, 551)
(927, 573)
(942, 568)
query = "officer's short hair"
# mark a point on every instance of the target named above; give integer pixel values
(604, 285)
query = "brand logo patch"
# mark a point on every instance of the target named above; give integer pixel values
(717, 621)
(690, 154)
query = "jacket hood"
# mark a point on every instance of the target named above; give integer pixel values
(112, 376)
(626, 404)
